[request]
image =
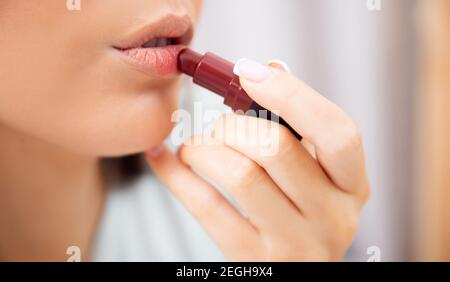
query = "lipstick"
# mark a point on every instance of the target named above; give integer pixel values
(216, 74)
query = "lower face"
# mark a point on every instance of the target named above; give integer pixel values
(96, 81)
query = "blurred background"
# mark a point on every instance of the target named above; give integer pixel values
(387, 64)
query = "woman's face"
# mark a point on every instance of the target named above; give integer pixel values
(82, 79)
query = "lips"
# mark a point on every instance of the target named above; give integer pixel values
(154, 48)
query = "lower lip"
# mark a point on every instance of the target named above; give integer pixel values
(158, 61)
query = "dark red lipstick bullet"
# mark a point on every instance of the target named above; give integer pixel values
(216, 74)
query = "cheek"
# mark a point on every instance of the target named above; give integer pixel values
(106, 111)
(113, 112)
(68, 90)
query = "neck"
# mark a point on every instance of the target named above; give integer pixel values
(50, 199)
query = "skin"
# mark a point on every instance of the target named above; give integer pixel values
(64, 97)
(65, 102)
(302, 204)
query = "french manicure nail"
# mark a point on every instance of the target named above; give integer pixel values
(252, 70)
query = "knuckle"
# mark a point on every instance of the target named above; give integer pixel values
(365, 193)
(184, 153)
(352, 136)
(345, 138)
(209, 204)
(345, 228)
(288, 87)
(245, 172)
(352, 133)
(285, 139)
(291, 90)
(327, 203)
(352, 224)
(279, 144)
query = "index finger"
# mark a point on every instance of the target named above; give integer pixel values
(335, 136)
(206, 204)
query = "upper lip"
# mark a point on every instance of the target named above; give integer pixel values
(179, 28)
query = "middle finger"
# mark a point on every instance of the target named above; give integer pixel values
(264, 203)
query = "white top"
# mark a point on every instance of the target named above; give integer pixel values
(145, 222)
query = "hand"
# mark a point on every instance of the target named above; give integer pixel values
(300, 204)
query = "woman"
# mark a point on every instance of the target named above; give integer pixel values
(81, 86)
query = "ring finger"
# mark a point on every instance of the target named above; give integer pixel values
(265, 204)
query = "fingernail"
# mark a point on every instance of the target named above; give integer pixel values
(156, 151)
(252, 70)
(281, 63)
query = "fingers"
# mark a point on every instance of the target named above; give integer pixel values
(282, 66)
(267, 207)
(284, 159)
(332, 214)
(205, 203)
(333, 134)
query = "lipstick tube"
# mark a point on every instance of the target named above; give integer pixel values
(216, 74)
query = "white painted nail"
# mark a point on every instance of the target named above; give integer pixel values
(252, 70)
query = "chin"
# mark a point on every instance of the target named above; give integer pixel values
(137, 140)
(134, 124)
(120, 131)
